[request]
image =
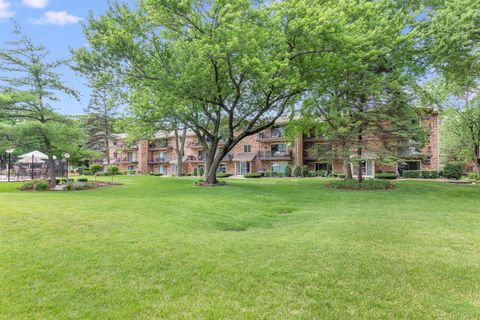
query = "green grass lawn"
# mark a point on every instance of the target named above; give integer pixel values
(161, 248)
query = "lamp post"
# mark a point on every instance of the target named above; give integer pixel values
(67, 156)
(9, 152)
(55, 167)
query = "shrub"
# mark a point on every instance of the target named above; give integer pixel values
(429, 174)
(305, 171)
(41, 185)
(223, 175)
(267, 174)
(113, 170)
(87, 172)
(94, 168)
(340, 175)
(201, 171)
(131, 172)
(156, 174)
(297, 172)
(473, 176)
(30, 185)
(386, 175)
(412, 174)
(322, 173)
(82, 180)
(195, 172)
(312, 174)
(287, 171)
(102, 174)
(453, 170)
(253, 175)
(364, 185)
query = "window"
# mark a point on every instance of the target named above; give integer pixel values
(162, 156)
(163, 170)
(243, 167)
(132, 157)
(114, 143)
(278, 132)
(202, 155)
(321, 166)
(427, 161)
(222, 168)
(131, 168)
(247, 148)
(279, 166)
(409, 165)
(366, 166)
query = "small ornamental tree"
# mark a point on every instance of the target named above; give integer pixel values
(94, 168)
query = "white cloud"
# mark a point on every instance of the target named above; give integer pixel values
(5, 11)
(37, 4)
(60, 18)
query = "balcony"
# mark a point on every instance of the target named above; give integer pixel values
(132, 147)
(125, 161)
(270, 137)
(157, 160)
(158, 146)
(274, 155)
(193, 159)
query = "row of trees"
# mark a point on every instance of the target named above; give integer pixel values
(229, 69)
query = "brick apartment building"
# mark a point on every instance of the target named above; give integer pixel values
(267, 151)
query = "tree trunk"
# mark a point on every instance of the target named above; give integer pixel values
(359, 156)
(180, 150)
(51, 171)
(107, 145)
(347, 168)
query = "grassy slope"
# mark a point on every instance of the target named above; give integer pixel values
(157, 248)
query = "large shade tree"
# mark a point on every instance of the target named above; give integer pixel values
(226, 69)
(366, 102)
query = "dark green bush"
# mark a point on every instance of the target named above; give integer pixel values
(253, 175)
(340, 175)
(297, 171)
(267, 174)
(364, 185)
(288, 171)
(453, 170)
(312, 174)
(195, 172)
(156, 174)
(201, 171)
(87, 172)
(305, 171)
(82, 180)
(386, 176)
(223, 175)
(412, 174)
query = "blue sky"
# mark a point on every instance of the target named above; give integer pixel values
(54, 23)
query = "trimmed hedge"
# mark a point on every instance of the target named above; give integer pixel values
(253, 175)
(386, 176)
(82, 180)
(223, 175)
(412, 174)
(322, 173)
